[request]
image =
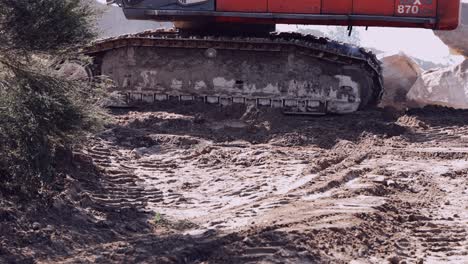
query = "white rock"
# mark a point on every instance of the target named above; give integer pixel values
(36, 226)
(444, 87)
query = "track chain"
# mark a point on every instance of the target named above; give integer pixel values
(308, 45)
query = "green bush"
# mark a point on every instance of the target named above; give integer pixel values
(41, 113)
(45, 25)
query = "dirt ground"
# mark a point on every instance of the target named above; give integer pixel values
(202, 184)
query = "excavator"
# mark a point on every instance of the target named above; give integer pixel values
(227, 52)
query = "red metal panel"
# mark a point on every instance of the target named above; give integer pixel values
(416, 8)
(374, 7)
(448, 14)
(337, 6)
(242, 5)
(294, 6)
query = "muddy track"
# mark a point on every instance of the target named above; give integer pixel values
(324, 76)
(170, 186)
(238, 185)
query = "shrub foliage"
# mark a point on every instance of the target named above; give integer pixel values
(41, 113)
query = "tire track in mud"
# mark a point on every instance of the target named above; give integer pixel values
(277, 197)
(443, 233)
(421, 235)
(424, 238)
(254, 189)
(119, 187)
(442, 242)
(429, 130)
(430, 231)
(221, 181)
(274, 253)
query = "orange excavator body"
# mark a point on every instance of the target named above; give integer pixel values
(431, 14)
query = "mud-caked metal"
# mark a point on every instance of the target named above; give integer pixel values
(301, 74)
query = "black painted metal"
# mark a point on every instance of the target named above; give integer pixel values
(141, 13)
(207, 5)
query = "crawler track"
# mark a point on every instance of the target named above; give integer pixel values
(301, 74)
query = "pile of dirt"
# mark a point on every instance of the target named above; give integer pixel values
(400, 73)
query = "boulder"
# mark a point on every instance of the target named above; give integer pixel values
(457, 39)
(445, 87)
(400, 72)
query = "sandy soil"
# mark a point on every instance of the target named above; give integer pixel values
(202, 184)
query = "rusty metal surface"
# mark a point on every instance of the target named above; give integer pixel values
(299, 73)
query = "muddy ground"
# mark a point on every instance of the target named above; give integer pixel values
(202, 184)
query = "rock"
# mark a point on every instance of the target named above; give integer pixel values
(394, 260)
(49, 228)
(362, 252)
(36, 226)
(139, 152)
(400, 72)
(445, 87)
(457, 39)
(390, 183)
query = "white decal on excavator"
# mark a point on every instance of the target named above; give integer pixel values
(415, 7)
(408, 9)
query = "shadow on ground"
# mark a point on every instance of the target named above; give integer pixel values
(81, 232)
(76, 229)
(257, 126)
